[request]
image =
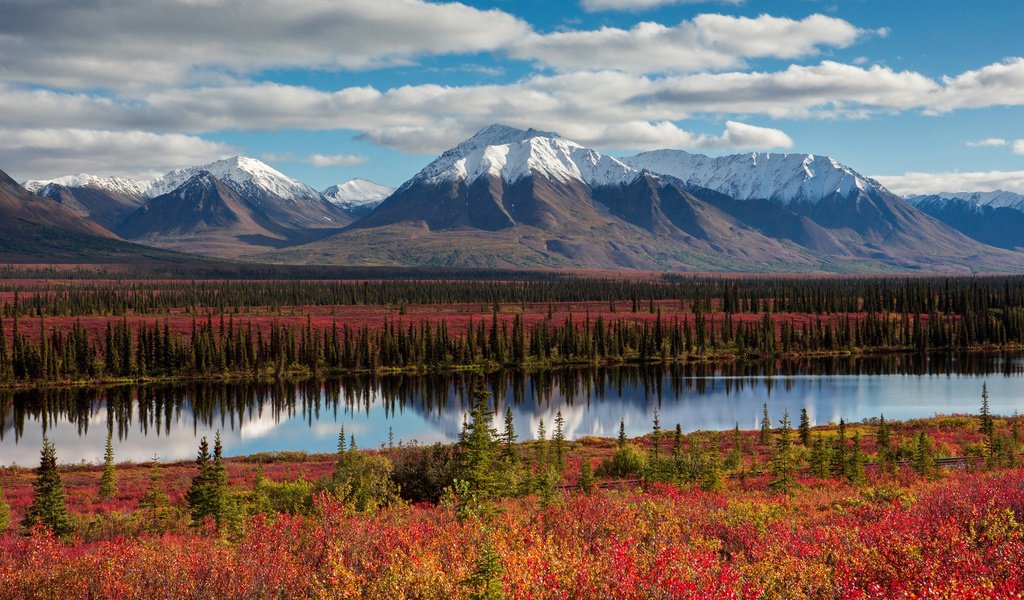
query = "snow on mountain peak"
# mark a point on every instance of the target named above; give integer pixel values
(240, 173)
(995, 199)
(513, 154)
(357, 192)
(118, 185)
(784, 178)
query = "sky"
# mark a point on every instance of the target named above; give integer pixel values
(925, 96)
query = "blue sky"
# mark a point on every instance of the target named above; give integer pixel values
(928, 94)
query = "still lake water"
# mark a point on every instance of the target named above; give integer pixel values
(168, 420)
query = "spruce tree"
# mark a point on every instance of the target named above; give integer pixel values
(805, 428)
(923, 460)
(480, 448)
(855, 468)
(621, 441)
(558, 442)
(783, 462)
(987, 427)
(154, 502)
(655, 439)
(586, 480)
(108, 481)
(508, 438)
(766, 426)
(205, 496)
(839, 451)
(820, 463)
(883, 444)
(48, 505)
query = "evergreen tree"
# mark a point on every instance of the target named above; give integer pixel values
(48, 504)
(154, 502)
(883, 443)
(783, 461)
(586, 480)
(508, 438)
(342, 445)
(805, 428)
(621, 441)
(855, 469)
(484, 582)
(987, 428)
(820, 461)
(655, 439)
(923, 459)
(477, 464)
(839, 451)
(108, 481)
(205, 496)
(558, 442)
(766, 426)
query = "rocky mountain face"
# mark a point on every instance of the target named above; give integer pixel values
(993, 218)
(509, 197)
(38, 230)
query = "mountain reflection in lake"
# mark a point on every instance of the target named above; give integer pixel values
(167, 420)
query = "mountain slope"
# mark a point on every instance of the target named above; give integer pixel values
(826, 207)
(38, 230)
(202, 216)
(995, 218)
(277, 200)
(104, 201)
(509, 197)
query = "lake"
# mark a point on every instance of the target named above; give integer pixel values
(168, 420)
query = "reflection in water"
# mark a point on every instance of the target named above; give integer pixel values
(168, 419)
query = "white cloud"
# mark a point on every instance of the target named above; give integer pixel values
(985, 143)
(953, 181)
(998, 84)
(1018, 147)
(86, 44)
(45, 153)
(709, 41)
(597, 5)
(335, 160)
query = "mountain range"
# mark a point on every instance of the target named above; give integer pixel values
(994, 218)
(508, 197)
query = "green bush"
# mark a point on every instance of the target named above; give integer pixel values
(628, 461)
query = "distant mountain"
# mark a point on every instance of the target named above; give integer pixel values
(994, 218)
(357, 197)
(37, 230)
(272, 195)
(509, 197)
(105, 201)
(823, 205)
(230, 208)
(203, 215)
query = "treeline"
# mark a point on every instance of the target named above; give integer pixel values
(946, 296)
(222, 347)
(156, 408)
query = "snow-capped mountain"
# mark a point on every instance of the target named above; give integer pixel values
(994, 218)
(357, 192)
(783, 178)
(115, 185)
(242, 174)
(996, 199)
(512, 154)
